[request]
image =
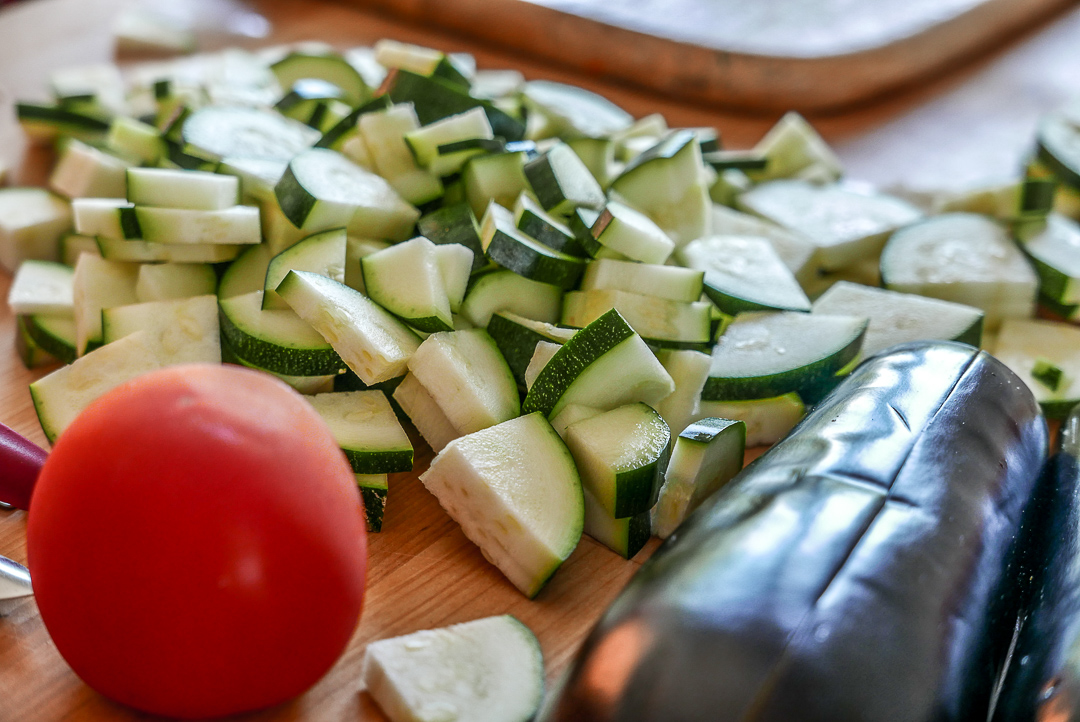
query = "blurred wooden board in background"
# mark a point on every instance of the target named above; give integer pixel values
(764, 54)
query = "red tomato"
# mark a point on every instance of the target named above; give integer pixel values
(197, 543)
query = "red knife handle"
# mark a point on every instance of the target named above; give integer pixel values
(20, 462)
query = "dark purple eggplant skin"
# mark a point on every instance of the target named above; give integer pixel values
(1042, 681)
(847, 574)
(20, 462)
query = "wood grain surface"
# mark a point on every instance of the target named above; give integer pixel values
(423, 572)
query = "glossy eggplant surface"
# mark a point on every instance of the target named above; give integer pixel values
(853, 572)
(1042, 681)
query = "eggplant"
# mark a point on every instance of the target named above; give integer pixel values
(20, 462)
(1042, 679)
(853, 572)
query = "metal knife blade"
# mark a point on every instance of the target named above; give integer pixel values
(14, 580)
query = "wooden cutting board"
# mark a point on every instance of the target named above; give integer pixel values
(764, 55)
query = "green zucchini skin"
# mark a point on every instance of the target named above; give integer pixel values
(847, 574)
(1043, 680)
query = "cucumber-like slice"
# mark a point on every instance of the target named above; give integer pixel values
(626, 537)
(767, 420)
(425, 143)
(275, 340)
(535, 222)
(83, 171)
(705, 456)
(219, 131)
(455, 263)
(328, 66)
(664, 322)
(53, 334)
(366, 429)
(766, 354)
(322, 253)
(184, 330)
(488, 670)
(322, 189)
(901, 317)
(1022, 345)
(598, 155)
(106, 217)
(665, 183)
(356, 249)
(384, 134)
(504, 244)
(571, 414)
(238, 225)
(498, 177)
(963, 258)
(486, 481)
(1055, 253)
(31, 223)
(424, 413)
(517, 337)
(844, 226)
(418, 59)
(503, 290)
(373, 492)
(257, 176)
(792, 147)
(277, 230)
(605, 365)
(455, 223)
(795, 250)
(245, 274)
(134, 139)
(468, 379)
(73, 245)
(190, 189)
(97, 284)
(44, 122)
(405, 279)
(575, 112)
(631, 234)
(743, 273)
(42, 287)
(1059, 144)
(372, 342)
(543, 353)
(436, 99)
(63, 394)
(670, 282)
(621, 455)
(561, 182)
(689, 370)
(30, 353)
(169, 281)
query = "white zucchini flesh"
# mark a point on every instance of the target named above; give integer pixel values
(571, 414)
(669, 282)
(621, 376)
(705, 456)
(63, 394)
(236, 225)
(1056, 251)
(689, 370)
(183, 331)
(322, 253)
(792, 147)
(467, 377)
(31, 223)
(425, 141)
(541, 355)
(486, 481)
(900, 317)
(189, 189)
(455, 265)
(504, 290)
(655, 319)
(99, 284)
(406, 280)
(794, 249)
(622, 229)
(963, 258)
(374, 344)
(743, 273)
(42, 287)
(424, 413)
(84, 171)
(1021, 344)
(767, 420)
(367, 430)
(168, 281)
(384, 135)
(845, 226)
(488, 670)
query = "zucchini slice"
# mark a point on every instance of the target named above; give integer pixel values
(1059, 144)
(1025, 346)
(455, 223)
(767, 420)
(186, 330)
(743, 273)
(658, 320)
(766, 354)
(502, 290)
(486, 481)
(329, 67)
(219, 131)
(488, 670)
(517, 338)
(373, 492)
(322, 253)
(900, 317)
(625, 537)
(42, 287)
(98, 284)
(424, 413)
(535, 222)
(384, 134)
(32, 220)
(55, 335)
(561, 182)
(1055, 253)
(171, 281)
(504, 244)
(621, 230)
(662, 281)
(706, 455)
(83, 171)
(689, 370)
(366, 429)
(406, 280)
